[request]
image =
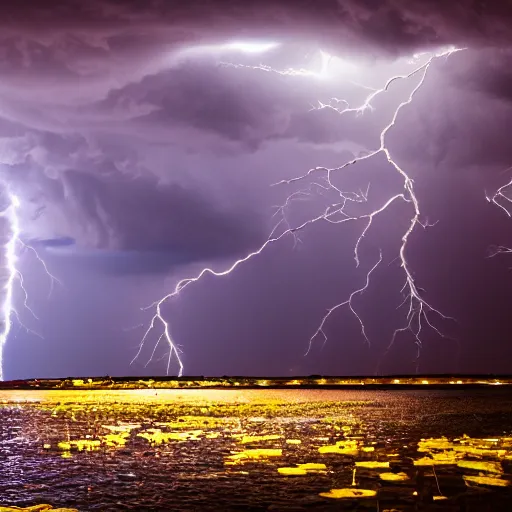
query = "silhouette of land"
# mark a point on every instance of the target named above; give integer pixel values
(312, 381)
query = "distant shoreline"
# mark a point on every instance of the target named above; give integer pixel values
(237, 382)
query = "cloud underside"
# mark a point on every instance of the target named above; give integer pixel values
(119, 140)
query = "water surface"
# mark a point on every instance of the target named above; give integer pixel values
(252, 449)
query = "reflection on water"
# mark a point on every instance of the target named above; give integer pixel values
(256, 449)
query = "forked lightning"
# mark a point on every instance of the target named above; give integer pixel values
(420, 313)
(12, 273)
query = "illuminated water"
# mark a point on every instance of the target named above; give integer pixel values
(206, 450)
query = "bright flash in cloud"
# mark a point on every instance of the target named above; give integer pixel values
(251, 46)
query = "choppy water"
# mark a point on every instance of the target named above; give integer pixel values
(206, 450)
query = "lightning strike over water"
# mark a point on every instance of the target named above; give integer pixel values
(421, 313)
(12, 274)
(11, 217)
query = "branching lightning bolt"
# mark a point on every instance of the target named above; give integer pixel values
(420, 312)
(325, 58)
(502, 200)
(349, 303)
(13, 274)
(500, 197)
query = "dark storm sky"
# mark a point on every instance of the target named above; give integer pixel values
(139, 156)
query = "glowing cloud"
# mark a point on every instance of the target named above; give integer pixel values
(250, 46)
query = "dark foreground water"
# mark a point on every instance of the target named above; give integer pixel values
(257, 450)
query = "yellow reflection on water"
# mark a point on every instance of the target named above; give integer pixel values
(116, 440)
(247, 417)
(491, 467)
(349, 493)
(254, 454)
(292, 471)
(443, 451)
(344, 447)
(195, 422)
(436, 460)
(372, 464)
(487, 480)
(303, 469)
(123, 427)
(37, 508)
(156, 436)
(80, 445)
(394, 477)
(257, 439)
